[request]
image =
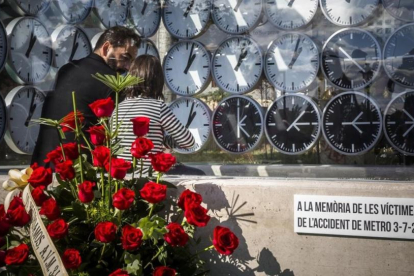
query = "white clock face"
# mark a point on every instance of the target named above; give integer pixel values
(30, 55)
(237, 16)
(349, 12)
(146, 16)
(24, 104)
(195, 116)
(147, 47)
(186, 19)
(291, 14)
(292, 62)
(237, 65)
(3, 46)
(75, 11)
(3, 118)
(187, 68)
(29, 7)
(70, 43)
(112, 12)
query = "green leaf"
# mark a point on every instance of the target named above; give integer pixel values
(117, 83)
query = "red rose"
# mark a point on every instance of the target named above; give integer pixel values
(189, 197)
(55, 156)
(119, 168)
(50, 209)
(2, 258)
(105, 231)
(71, 258)
(68, 122)
(162, 162)
(4, 224)
(196, 215)
(65, 170)
(100, 156)
(123, 199)
(176, 235)
(164, 271)
(58, 229)
(71, 150)
(131, 237)
(153, 192)
(119, 272)
(224, 240)
(141, 146)
(40, 177)
(103, 107)
(17, 255)
(140, 126)
(16, 214)
(86, 191)
(39, 196)
(97, 134)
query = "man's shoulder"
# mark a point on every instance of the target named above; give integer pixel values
(87, 63)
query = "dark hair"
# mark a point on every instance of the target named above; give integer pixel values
(118, 36)
(149, 69)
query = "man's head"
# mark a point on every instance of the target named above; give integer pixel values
(118, 46)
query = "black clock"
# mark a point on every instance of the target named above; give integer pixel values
(351, 123)
(399, 56)
(3, 46)
(351, 59)
(400, 9)
(399, 122)
(292, 123)
(237, 124)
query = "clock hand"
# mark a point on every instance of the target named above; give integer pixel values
(238, 119)
(74, 46)
(405, 133)
(291, 3)
(242, 125)
(295, 57)
(31, 43)
(188, 8)
(144, 7)
(354, 123)
(295, 121)
(348, 56)
(408, 114)
(236, 8)
(191, 58)
(109, 3)
(32, 109)
(190, 116)
(243, 54)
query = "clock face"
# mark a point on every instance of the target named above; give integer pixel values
(146, 16)
(112, 12)
(292, 124)
(399, 56)
(187, 68)
(186, 18)
(24, 103)
(400, 9)
(351, 123)
(351, 59)
(75, 11)
(195, 116)
(237, 124)
(399, 122)
(349, 12)
(237, 16)
(3, 118)
(292, 62)
(29, 7)
(291, 14)
(70, 43)
(3, 46)
(237, 65)
(30, 55)
(147, 47)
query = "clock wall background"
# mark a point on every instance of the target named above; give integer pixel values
(298, 31)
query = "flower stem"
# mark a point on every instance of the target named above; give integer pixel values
(153, 258)
(198, 253)
(103, 251)
(86, 141)
(158, 177)
(134, 165)
(77, 135)
(102, 184)
(61, 145)
(151, 210)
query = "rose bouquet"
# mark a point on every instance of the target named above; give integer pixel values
(96, 220)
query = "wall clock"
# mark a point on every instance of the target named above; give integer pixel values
(351, 123)
(187, 68)
(3, 118)
(291, 14)
(399, 56)
(349, 12)
(292, 62)
(112, 13)
(400, 9)
(351, 59)
(399, 122)
(29, 7)
(237, 124)
(194, 115)
(74, 11)
(3, 46)
(186, 18)
(30, 55)
(292, 124)
(146, 16)
(147, 47)
(70, 43)
(237, 65)
(24, 103)
(237, 16)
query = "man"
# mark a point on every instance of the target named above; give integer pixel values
(114, 52)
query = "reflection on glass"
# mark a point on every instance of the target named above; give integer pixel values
(75, 11)
(146, 16)
(400, 9)
(112, 12)
(347, 12)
